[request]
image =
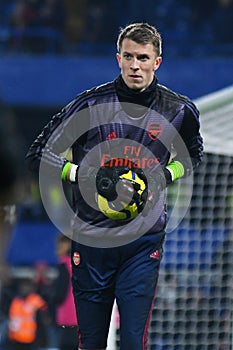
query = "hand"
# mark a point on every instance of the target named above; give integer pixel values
(156, 184)
(106, 180)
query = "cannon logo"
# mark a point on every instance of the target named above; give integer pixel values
(154, 130)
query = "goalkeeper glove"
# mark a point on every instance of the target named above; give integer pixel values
(107, 179)
(70, 172)
(156, 184)
(159, 181)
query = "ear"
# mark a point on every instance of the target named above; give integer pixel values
(118, 56)
(157, 63)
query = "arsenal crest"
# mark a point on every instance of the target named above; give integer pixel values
(154, 130)
(76, 258)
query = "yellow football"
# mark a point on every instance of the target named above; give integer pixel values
(120, 209)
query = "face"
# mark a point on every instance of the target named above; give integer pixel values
(138, 63)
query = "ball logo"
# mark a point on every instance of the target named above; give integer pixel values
(76, 258)
(154, 130)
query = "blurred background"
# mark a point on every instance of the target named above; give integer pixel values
(51, 50)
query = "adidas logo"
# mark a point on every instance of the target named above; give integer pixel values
(155, 255)
(111, 136)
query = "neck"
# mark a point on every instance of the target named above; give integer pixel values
(136, 101)
(142, 97)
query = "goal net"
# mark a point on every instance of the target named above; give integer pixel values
(193, 307)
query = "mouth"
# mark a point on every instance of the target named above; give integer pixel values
(135, 77)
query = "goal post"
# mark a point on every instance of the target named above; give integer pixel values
(217, 121)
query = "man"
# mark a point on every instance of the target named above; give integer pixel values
(125, 118)
(23, 325)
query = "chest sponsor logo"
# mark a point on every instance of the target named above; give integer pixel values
(131, 157)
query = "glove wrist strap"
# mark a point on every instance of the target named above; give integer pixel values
(73, 173)
(65, 171)
(69, 172)
(176, 169)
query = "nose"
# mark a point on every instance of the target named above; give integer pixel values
(134, 64)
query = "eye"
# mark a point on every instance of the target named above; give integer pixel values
(127, 56)
(143, 58)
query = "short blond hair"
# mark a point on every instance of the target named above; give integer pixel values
(141, 33)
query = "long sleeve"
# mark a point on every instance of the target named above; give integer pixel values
(57, 136)
(190, 134)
